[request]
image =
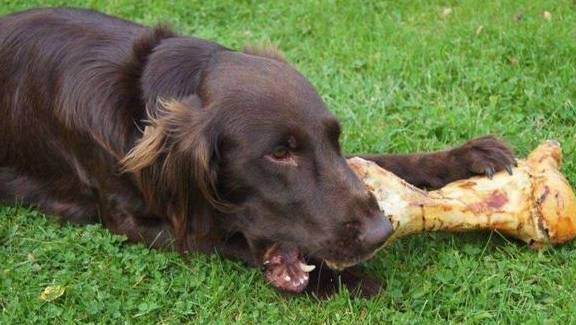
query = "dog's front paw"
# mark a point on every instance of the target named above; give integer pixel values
(484, 156)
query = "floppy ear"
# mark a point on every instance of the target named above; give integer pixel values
(175, 165)
(177, 148)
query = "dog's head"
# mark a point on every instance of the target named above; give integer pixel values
(256, 142)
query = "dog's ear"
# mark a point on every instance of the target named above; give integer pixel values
(177, 151)
(175, 164)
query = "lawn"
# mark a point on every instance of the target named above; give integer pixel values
(401, 76)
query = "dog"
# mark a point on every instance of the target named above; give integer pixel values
(181, 143)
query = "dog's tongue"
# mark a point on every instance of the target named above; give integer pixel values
(285, 268)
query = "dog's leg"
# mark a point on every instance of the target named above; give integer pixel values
(235, 246)
(150, 230)
(480, 156)
(63, 199)
(5, 193)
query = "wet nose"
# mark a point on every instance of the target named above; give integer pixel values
(377, 229)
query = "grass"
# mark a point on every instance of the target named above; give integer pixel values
(402, 76)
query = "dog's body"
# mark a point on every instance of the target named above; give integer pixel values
(172, 141)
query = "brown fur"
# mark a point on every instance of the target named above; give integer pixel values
(177, 142)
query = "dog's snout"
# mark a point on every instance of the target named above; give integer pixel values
(377, 229)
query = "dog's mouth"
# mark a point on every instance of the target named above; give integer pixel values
(286, 268)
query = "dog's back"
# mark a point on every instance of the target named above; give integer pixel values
(64, 75)
(52, 58)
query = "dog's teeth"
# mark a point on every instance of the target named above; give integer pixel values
(306, 267)
(266, 262)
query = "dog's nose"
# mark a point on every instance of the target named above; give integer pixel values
(377, 229)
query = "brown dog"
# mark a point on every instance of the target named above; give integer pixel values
(179, 142)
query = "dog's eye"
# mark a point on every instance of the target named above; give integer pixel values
(281, 153)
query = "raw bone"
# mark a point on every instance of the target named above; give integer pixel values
(535, 204)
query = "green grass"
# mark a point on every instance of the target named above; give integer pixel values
(401, 77)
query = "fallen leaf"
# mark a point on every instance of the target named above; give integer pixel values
(52, 293)
(479, 30)
(547, 15)
(513, 60)
(446, 12)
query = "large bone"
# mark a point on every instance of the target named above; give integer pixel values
(535, 204)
